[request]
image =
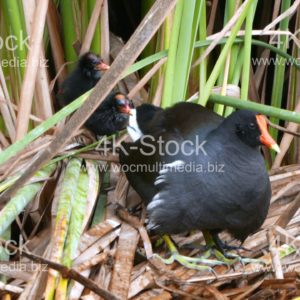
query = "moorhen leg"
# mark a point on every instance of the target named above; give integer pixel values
(221, 246)
(188, 262)
(215, 246)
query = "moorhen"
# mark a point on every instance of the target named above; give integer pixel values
(111, 116)
(113, 113)
(198, 171)
(139, 121)
(84, 77)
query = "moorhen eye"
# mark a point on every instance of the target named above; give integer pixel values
(185, 191)
(84, 77)
(105, 120)
(121, 102)
(252, 126)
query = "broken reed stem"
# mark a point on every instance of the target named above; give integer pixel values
(288, 214)
(274, 254)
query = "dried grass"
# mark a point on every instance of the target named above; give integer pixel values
(116, 253)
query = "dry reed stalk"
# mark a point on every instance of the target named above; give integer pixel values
(274, 254)
(55, 42)
(43, 101)
(146, 78)
(105, 43)
(91, 27)
(27, 90)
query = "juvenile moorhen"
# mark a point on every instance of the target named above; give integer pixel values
(111, 116)
(84, 77)
(203, 173)
(113, 113)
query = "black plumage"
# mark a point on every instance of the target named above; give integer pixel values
(84, 77)
(111, 116)
(221, 185)
(140, 122)
(144, 114)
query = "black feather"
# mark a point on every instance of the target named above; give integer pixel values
(224, 187)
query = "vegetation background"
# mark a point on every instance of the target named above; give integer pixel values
(222, 54)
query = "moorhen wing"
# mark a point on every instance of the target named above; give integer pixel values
(197, 171)
(113, 113)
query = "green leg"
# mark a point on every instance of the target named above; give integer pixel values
(228, 258)
(188, 262)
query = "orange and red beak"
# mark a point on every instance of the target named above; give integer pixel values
(102, 66)
(265, 137)
(126, 109)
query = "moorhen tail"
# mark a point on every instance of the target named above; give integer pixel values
(84, 77)
(201, 172)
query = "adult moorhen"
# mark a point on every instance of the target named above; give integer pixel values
(139, 121)
(113, 113)
(197, 171)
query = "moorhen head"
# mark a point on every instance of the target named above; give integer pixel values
(140, 120)
(111, 116)
(91, 65)
(84, 77)
(212, 179)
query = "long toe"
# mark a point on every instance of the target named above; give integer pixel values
(134, 210)
(230, 258)
(229, 247)
(190, 262)
(226, 257)
(247, 260)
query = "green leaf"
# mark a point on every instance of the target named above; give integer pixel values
(15, 206)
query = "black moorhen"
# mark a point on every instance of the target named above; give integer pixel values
(113, 113)
(140, 120)
(84, 77)
(198, 171)
(111, 116)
